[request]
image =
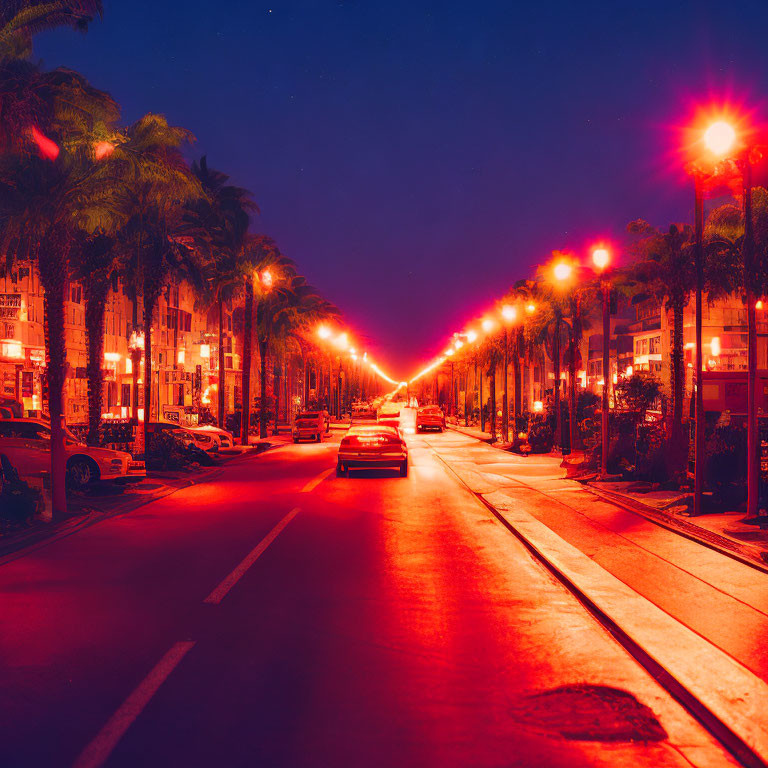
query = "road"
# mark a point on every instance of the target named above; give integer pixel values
(280, 616)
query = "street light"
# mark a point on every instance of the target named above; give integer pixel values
(562, 271)
(721, 140)
(509, 315)
(601, 258)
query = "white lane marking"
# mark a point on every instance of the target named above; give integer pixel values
(220, 592)
(99, 750)
(312, 484)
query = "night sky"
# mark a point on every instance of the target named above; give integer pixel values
(416, 158)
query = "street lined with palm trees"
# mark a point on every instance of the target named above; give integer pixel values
(370, 631)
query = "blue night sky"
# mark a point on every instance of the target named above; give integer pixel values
(416, 158)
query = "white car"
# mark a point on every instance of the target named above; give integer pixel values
(222, 438)
(26, 443)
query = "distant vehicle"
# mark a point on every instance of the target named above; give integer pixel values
(430, 417)
(310, 425)
(26, 443)
(370, 447)
(389, 417)
(363, 412)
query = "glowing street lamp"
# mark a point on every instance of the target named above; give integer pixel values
(509, 315)
(601, 258)
(471, 336)
(722, 140)
(562, 271)
(324, 332)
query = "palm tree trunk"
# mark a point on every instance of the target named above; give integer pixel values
(572, 396)
(148, 310)
(492, 386)
(306, 380)
(276, 391)
(55, 287)
(221, 416)
(263, 382)
(95, 306)
(505, 381)
(678, 377)
(245, 417)
(556, 388)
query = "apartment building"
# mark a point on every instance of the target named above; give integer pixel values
(184, 350)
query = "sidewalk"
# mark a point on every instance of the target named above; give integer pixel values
(723, 531)
(700, 615)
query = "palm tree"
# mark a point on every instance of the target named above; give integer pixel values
(156, 186)
(219, 223)
(20, 20)
(44, 198)
(96, 268)
(664, 268)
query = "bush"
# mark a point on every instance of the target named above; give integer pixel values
(167, 452)
(18, 502)
(726, 464)
(541, 433)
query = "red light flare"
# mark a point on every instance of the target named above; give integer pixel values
(691, 147)
(48, 149)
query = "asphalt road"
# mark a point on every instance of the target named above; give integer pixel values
(280, 616)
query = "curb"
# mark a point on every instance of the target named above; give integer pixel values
(636, 623)
(743, 553)
(37, 539)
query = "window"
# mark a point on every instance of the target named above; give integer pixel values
(76, 294)
(655, 345)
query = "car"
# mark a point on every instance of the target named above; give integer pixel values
(188, 435)
(310, 425)
(430, 417)
(362, 412)
(26, 443)
(370, 447)
(221, 437)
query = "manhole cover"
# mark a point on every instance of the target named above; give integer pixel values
(589, 713)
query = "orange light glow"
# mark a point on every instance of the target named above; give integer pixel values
(449, 351)
(487, 324)
(266, 278)
(103, 149)
(509, 313)
(562, 271)
(601, 257)
(759, 304)
(530, 308)
(341, 341)
(471, 336)
(324, 332)
(459, 344)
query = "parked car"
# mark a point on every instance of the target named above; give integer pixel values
(221, 437)
(26, 443)
(430, 417)
(187, 435)
(311, 425)
(370, 447)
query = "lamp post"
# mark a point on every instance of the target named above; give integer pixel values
(509, 315)
(266, 280)
(488, 326)
(721, 141)
(601, 257)
(562, 272)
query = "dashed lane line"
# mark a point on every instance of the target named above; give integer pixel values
(102, 746)
(221, 591)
